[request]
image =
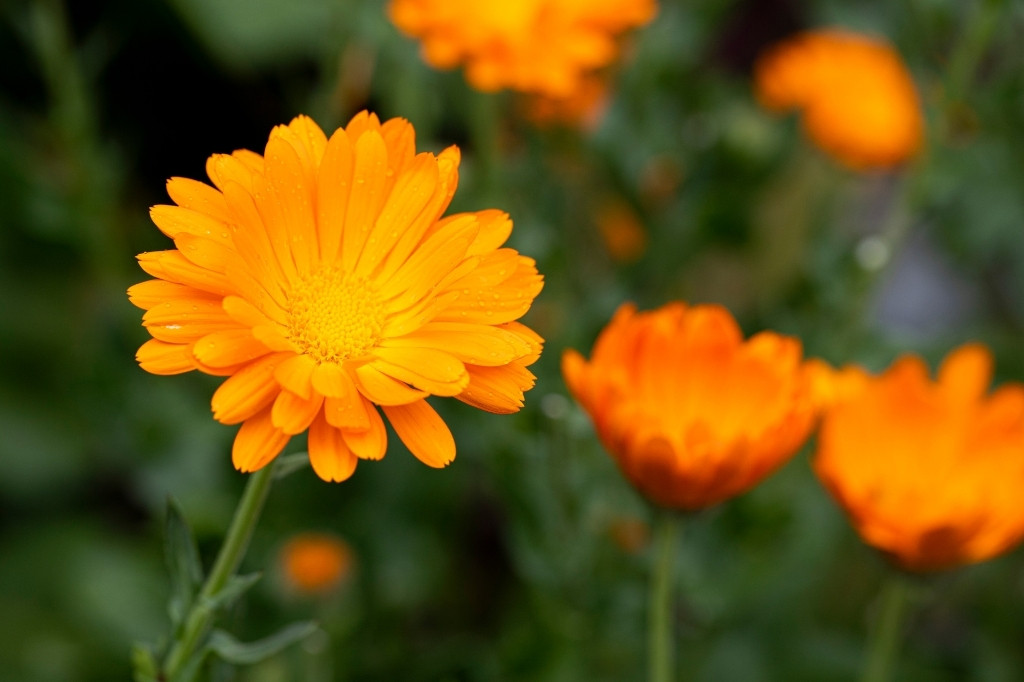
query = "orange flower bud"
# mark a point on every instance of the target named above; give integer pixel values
(692, 413)
(316, 562)
(930, 472)
(859, 102)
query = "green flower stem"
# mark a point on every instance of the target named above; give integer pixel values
(977, 35)
(660, 640)
(230, 556)
(887, 631)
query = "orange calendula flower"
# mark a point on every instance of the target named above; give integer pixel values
(859, 102)
(544, 47)
(322, 281)
(692, 413)
(930, 472)
(315, 562)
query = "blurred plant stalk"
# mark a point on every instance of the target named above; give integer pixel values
(886, 634)
(660, 633)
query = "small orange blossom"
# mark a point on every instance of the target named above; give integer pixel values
(316, 562)
(692, 413)
(929, 472)
(859, 102)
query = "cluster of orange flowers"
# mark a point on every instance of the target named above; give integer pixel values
(322, 281)
(541, 47)
(930, 472)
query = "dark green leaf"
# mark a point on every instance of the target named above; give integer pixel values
(183, 563)
(242, 653)
(143, 663)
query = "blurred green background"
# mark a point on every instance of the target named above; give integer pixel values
(527, 558)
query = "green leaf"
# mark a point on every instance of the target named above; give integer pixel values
(236, 586)
(247, 653)
(183, 563)
(144, 667)
(289, 464)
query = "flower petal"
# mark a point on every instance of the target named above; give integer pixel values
(293, 414)
(257, 443)
(248, 391)
(159, 357)
(229, 347)
(384, 390)
(423, 432)
(372, 442)
(425, 368)
(330, 456)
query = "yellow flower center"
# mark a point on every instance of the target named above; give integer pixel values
(334, 316)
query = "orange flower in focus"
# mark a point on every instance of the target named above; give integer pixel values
(859, 102)
(692, 413)
(315, 562)
(544, 47)
(930, 472)
(322, 281)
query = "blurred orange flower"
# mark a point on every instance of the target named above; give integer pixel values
(692, 413)
(582, 108)
(322, 281)
(316, 562)
(930, 472)
(624, 236)
(859, 102)
(543, 47)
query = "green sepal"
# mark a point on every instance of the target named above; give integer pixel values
(182, 562)
(246, 653)
(144, 668)
(289, 464)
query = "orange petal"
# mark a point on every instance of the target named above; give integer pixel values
(230, 347)
(258, 442)
(159, 357)
(296, 374)
(153, 292)
(331, 380)
(423, 432)
(967, 371)
(369, 176)
(499, 389)
(372, 442)
(199, 197)
(398, 219)
(248, 391)
(293, 414)
(330, 457)
(349, 412)
(174, 267)
(430, 370)
(175, 220)
(333, 185)
(384, 390)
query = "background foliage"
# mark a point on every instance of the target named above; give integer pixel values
(527, 558)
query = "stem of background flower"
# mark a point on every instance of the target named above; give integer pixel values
(963, 63)
(484, 131)
(886, 634)
(660, 640)
(230, 556)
